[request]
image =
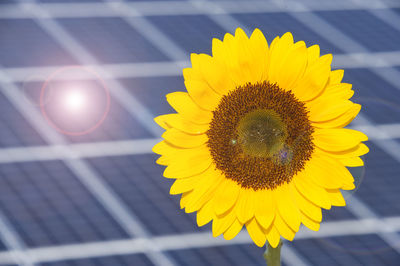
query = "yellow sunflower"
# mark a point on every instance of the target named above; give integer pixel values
(258, 138)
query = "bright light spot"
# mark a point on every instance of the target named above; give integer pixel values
(75, 100)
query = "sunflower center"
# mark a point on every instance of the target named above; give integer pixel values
(260, 136)
(261, 133)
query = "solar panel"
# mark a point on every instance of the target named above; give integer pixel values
(100, 199)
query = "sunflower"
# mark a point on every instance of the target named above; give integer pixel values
(258, 138)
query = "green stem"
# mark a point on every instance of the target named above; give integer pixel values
(273, 255)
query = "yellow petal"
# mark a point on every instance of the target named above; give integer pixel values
(336, 140)
(202, 94)
(184, 199)
(184, 140)
(284, 229)
(340, 121)
(286, 206)
(327, 109)
(222, 222)
(164, 160)
(178, 122)
(233, 230)
(313, 54)
(184, 105)
(161, 122)
(245, 205)
(273, 237)
(336, 197)
(352, 161)
(314, 80)
(256, 233)
(189, 162)
(163, 148)
(359, 150)
(280, 47)
(265, 208)
(336, 76)
(204, 190)
(338, 91)
(226, 196)
(205, 214)
(259, 45)
(312, 192)
(307, 206)
(310, 223)
(327, 172)
(184, 184)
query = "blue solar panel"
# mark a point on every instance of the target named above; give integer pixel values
(361, 250)
(377, 97)
(137, 179)
(15, 131)
(374, 34)
(47, 206)
(111, 40)
(378, 189)
(152, 91)
(123, 260)
(225, 255)
(276, 24)
(36, 48)
(193, 33)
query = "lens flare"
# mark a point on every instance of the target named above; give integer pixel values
(75, 100)
(80, 100)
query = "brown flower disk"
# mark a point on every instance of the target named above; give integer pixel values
(260, 136)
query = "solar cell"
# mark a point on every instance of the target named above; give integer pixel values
(45, 205)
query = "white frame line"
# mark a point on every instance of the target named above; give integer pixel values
(198, 240)
(179, 8)
(137, 147)
(324, 25)
(174, 68)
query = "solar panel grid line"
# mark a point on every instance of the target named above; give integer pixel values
(81, 169)
(149, 31)
(385, 14)
(139, 146)
(174, 68)
(11, 239)
(112, 71)
(195, 240)
(177, 8)
(331, 33)
(70, 44)
(84, 173)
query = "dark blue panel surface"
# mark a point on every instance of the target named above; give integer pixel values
(192, 33)
(123, 260)
(151, 91)
(139, 182)
(363, 250)
(379, 99)
(366, 29)
(24, 43)
(224, 256)
(119, 124)
(380, 187)
(15, 130)
(111, 40)
(276, 24)
(48, 206)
